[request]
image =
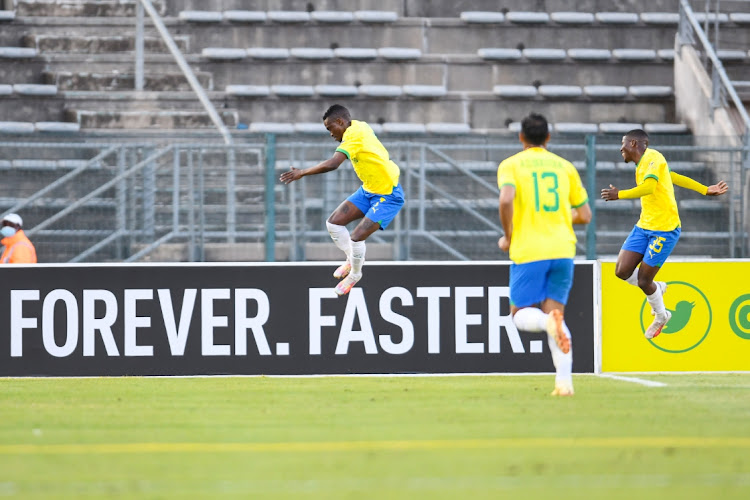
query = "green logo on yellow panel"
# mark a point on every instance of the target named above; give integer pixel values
(739, 317)
(690, 321)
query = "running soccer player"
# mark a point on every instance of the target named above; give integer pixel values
(376, 202)
(655, 234)
(541, 197)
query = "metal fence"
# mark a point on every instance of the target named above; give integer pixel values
(197, 199)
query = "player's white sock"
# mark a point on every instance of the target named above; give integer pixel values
(358, 257)
(633, 280)
(530, 319)
(656, 300)
(340, 236)
(563, 362)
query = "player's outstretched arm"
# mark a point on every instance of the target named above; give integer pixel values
(610, 194)
(325, 166)
(717, 189)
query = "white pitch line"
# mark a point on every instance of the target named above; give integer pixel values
(635, 380)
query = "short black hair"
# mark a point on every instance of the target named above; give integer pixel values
(337, 111)
(638, 135)
(535, 129)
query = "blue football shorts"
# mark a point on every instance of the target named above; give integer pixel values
(655, 246)
(532, 282)
(380, 208)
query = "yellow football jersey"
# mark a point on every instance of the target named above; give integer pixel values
(658, 209)
(547, 188)
(369, 158)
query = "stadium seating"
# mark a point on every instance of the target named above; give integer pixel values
(412, 68)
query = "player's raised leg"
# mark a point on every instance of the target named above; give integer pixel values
(363, 230)
(336, 225)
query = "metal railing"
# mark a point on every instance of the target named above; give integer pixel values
(722, 87)
(167, 200)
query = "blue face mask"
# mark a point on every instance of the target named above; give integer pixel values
(7, 231)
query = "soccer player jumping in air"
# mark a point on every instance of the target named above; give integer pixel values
(541, 197)
(376, 202)
(656, 233)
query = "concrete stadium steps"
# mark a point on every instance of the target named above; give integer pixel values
(479, 110)
(457, 73)
(462, 73)
(433, 9)
(81, 8)
(21, 72)
(97, 43)
(26, 108)
(97, 117)
(440, 36)
(115, 81)
(174, 7)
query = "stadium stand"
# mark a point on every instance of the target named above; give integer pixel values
(412, 68)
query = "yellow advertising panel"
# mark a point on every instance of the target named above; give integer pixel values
(709, 329)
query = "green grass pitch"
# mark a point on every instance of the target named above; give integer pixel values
(382, 438)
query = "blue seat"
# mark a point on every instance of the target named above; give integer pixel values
(268, 53)
(545, 54)
(650, 90)
(381, 90)
(590, 54)
(311, 53)
(576, 128)
(16, 128)
(34, 89)
(355, 53)
(425, 90)
(445, 128)
(482, 17)
(399, 54)
(666, 128)
(525, 91)
(336, 90)
(17, 52)
(572, 17)
(310, 128)
(634, 54)
(332, 16)
(223, 54)
(57, 127)
(200, 16)
(616, 17)
(500, 54)
(375, 16)
(293, 90)
(554, 91)
(245, 16)
(404, 128)
(288, 16)
(660, 18)
(605, 91)
(521, 17)
(618, 128)
(248, 90)
(271, 128)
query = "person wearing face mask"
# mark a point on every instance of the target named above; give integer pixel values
(17, 247)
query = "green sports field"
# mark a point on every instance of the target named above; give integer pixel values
(359, 437)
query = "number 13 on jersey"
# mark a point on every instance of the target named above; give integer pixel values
(545, 191)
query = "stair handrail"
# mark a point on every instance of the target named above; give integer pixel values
(181, 62)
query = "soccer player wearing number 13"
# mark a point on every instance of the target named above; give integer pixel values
(541, 197)
(656, 233)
